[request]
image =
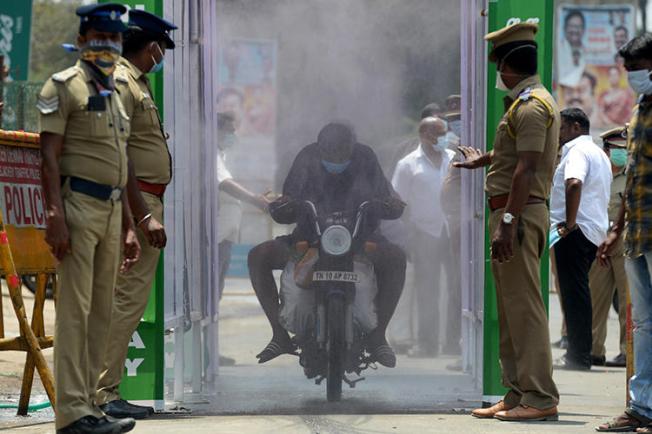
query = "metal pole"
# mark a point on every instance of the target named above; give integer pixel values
(178, 363)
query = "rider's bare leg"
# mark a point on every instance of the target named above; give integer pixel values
(263, 260)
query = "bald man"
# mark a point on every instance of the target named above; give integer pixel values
(419, 179)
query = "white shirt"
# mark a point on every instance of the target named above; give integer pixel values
(229, 210)
(582, 159)
(418, 181)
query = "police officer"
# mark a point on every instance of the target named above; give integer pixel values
(145, 43)
(84, 129)
(604, 281)
(518, 184)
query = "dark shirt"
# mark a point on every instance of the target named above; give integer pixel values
(363, 180)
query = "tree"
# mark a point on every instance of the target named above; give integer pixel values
(52, 25)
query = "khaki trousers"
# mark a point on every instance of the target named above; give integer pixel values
(87, 277)
(525, 354)
(603, 282)
(131, 296)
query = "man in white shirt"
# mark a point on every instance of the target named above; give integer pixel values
(229, 212)
(579, 223)
(418, 179)
(230, 194)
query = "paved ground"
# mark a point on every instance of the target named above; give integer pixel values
(275, 398)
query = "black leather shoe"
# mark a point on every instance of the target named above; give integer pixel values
(93, 425)
(620, 361)
(120, 408)
(598, 360)
(570, 365)
(562, 343)
(126, 423)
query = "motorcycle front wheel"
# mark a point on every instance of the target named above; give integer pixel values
(336, 348)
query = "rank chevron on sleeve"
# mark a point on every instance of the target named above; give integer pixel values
(48, 105)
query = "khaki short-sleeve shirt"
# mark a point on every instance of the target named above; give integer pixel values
(616, 197)
(147, 147)
(531, 126)
(95, 128)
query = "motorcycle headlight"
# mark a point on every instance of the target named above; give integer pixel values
(336, 240)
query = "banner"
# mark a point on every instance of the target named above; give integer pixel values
(590, 73)
(21, 195)
(15, 33)
(247, 88)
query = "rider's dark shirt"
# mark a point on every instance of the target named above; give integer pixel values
(363, 180)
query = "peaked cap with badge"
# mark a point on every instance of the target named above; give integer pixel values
(518, 32)
(150, 23)
(616, 137)
(105, 17)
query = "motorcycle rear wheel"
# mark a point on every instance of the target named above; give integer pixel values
(336, 349)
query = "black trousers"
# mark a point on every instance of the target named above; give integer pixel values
(574, 256)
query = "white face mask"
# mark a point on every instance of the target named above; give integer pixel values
(640, 81)
(500, 84)
(442, 143)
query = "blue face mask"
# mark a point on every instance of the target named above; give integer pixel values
(335, 168)
(229, 140)
(158, 66)
(456, 127)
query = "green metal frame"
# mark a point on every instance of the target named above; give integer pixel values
(499, 12)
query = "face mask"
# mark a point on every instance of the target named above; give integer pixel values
(456, 127)
(158, 66)
(442, 143)
(229, 141)
(500, 84)
(103, 54)
(335, 168)
(618, 157)
(640, 82)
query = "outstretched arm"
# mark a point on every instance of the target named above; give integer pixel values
(473, 158)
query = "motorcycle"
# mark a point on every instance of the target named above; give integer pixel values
(333, 310)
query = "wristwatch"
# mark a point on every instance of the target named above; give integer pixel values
(508, 218)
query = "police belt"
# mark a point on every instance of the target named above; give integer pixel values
(157, 190)
(498, 202)
(93, 189)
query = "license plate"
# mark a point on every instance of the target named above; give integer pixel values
(335, 276)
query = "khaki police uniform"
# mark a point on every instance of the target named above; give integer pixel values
(603, 281)
(530, 123)
(148, 152)
(95, 131)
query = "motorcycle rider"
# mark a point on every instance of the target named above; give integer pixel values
(336, 173)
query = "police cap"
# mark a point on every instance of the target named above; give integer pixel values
(615, 137)
(105, 17)
(152, 24)
(453, 105)
(512, 32)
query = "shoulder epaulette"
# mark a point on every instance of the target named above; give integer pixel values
(527, 94)
(120, 78)
(65, 75)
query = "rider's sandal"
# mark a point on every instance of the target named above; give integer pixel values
(384, 355)
(273, 350)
